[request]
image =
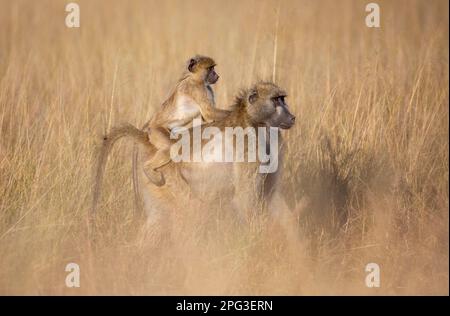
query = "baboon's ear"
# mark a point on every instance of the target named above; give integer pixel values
(253, 97)
(191, 65)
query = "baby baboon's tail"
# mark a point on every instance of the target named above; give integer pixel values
(116, 133)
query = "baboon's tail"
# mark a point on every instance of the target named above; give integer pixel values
(116, 133)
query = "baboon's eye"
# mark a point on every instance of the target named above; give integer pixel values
(278, 101)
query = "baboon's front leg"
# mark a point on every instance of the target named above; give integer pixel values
(248, 193)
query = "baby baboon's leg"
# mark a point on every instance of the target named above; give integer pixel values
(159, 138)
(161, 141)
(159, 159)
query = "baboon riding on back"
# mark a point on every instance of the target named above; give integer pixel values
(263, 105)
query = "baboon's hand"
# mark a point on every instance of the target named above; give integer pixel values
(216, 115)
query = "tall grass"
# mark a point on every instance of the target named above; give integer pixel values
(366, 169)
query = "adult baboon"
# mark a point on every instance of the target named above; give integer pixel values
(237, 182)
(240, 182)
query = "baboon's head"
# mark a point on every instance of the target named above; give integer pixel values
(201, 68)
(266, 105)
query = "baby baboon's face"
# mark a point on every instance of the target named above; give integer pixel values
(202, 68)
(267, 106)
(211, 75)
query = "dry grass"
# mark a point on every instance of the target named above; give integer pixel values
(367, 165)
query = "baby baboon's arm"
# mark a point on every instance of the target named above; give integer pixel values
(207, 109)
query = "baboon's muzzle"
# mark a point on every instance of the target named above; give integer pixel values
(288, 122)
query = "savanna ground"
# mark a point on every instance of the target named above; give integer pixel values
(366, 169)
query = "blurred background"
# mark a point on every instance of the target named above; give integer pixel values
(366, 169)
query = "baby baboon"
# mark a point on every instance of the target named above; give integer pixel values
(192, 98)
